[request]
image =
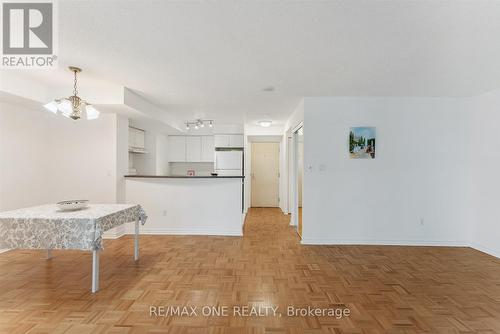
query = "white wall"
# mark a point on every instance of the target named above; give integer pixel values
(485, 159)
(48, 158)
(24, 166)
(421, 171)
(121, 157)
(83, 159)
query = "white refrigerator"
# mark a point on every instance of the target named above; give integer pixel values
(229, 162)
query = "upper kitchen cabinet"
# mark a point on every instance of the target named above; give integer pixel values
(177, 148)
(207, 149)
(229, 141)
(136, 140)
(193, 149)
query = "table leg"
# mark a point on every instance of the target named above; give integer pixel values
(136, 241)
(49, 254)
(95, 271)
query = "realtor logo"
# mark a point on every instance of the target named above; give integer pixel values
(28, 34)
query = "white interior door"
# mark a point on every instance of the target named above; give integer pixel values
(265, 174)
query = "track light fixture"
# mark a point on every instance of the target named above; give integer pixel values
(199, 123)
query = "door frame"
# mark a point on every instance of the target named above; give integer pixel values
(288, 159)
(294, 177)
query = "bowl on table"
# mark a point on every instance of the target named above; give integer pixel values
(73, 205)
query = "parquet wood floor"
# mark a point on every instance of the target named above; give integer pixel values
(388, 289)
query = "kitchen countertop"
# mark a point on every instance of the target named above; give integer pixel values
(184, 177)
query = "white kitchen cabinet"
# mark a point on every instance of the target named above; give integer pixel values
(221, 140)
(136, 139)
(131, 137)
(236, 141)
(140, 139)
(229, 140)
(193, 148)
(177, 148)
(207, 149)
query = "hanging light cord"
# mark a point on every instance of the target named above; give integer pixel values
(75, 90)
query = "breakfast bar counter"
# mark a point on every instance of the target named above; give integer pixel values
(189, 205)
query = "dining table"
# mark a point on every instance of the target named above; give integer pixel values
(48, 227)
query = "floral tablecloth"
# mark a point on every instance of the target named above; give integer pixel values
(47, 227)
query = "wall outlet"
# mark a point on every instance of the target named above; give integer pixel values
(422, 222)
(164, 213)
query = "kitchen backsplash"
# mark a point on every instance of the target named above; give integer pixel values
(199, 168)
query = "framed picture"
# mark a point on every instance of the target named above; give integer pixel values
(362, 142)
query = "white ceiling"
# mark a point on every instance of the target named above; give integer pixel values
(212, 59)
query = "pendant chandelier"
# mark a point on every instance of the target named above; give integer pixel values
(73, 107)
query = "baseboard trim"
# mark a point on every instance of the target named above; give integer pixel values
(487, 250)
(185, 231)
(191, 232)
(114, 233)
(318, 241)
(112, 236)
(4, 250)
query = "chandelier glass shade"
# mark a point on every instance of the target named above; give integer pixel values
(73, 106)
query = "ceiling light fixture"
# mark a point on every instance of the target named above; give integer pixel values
(73, 107)
(199, 123)
(265, 124)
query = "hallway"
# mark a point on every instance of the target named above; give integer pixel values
(388, 289)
